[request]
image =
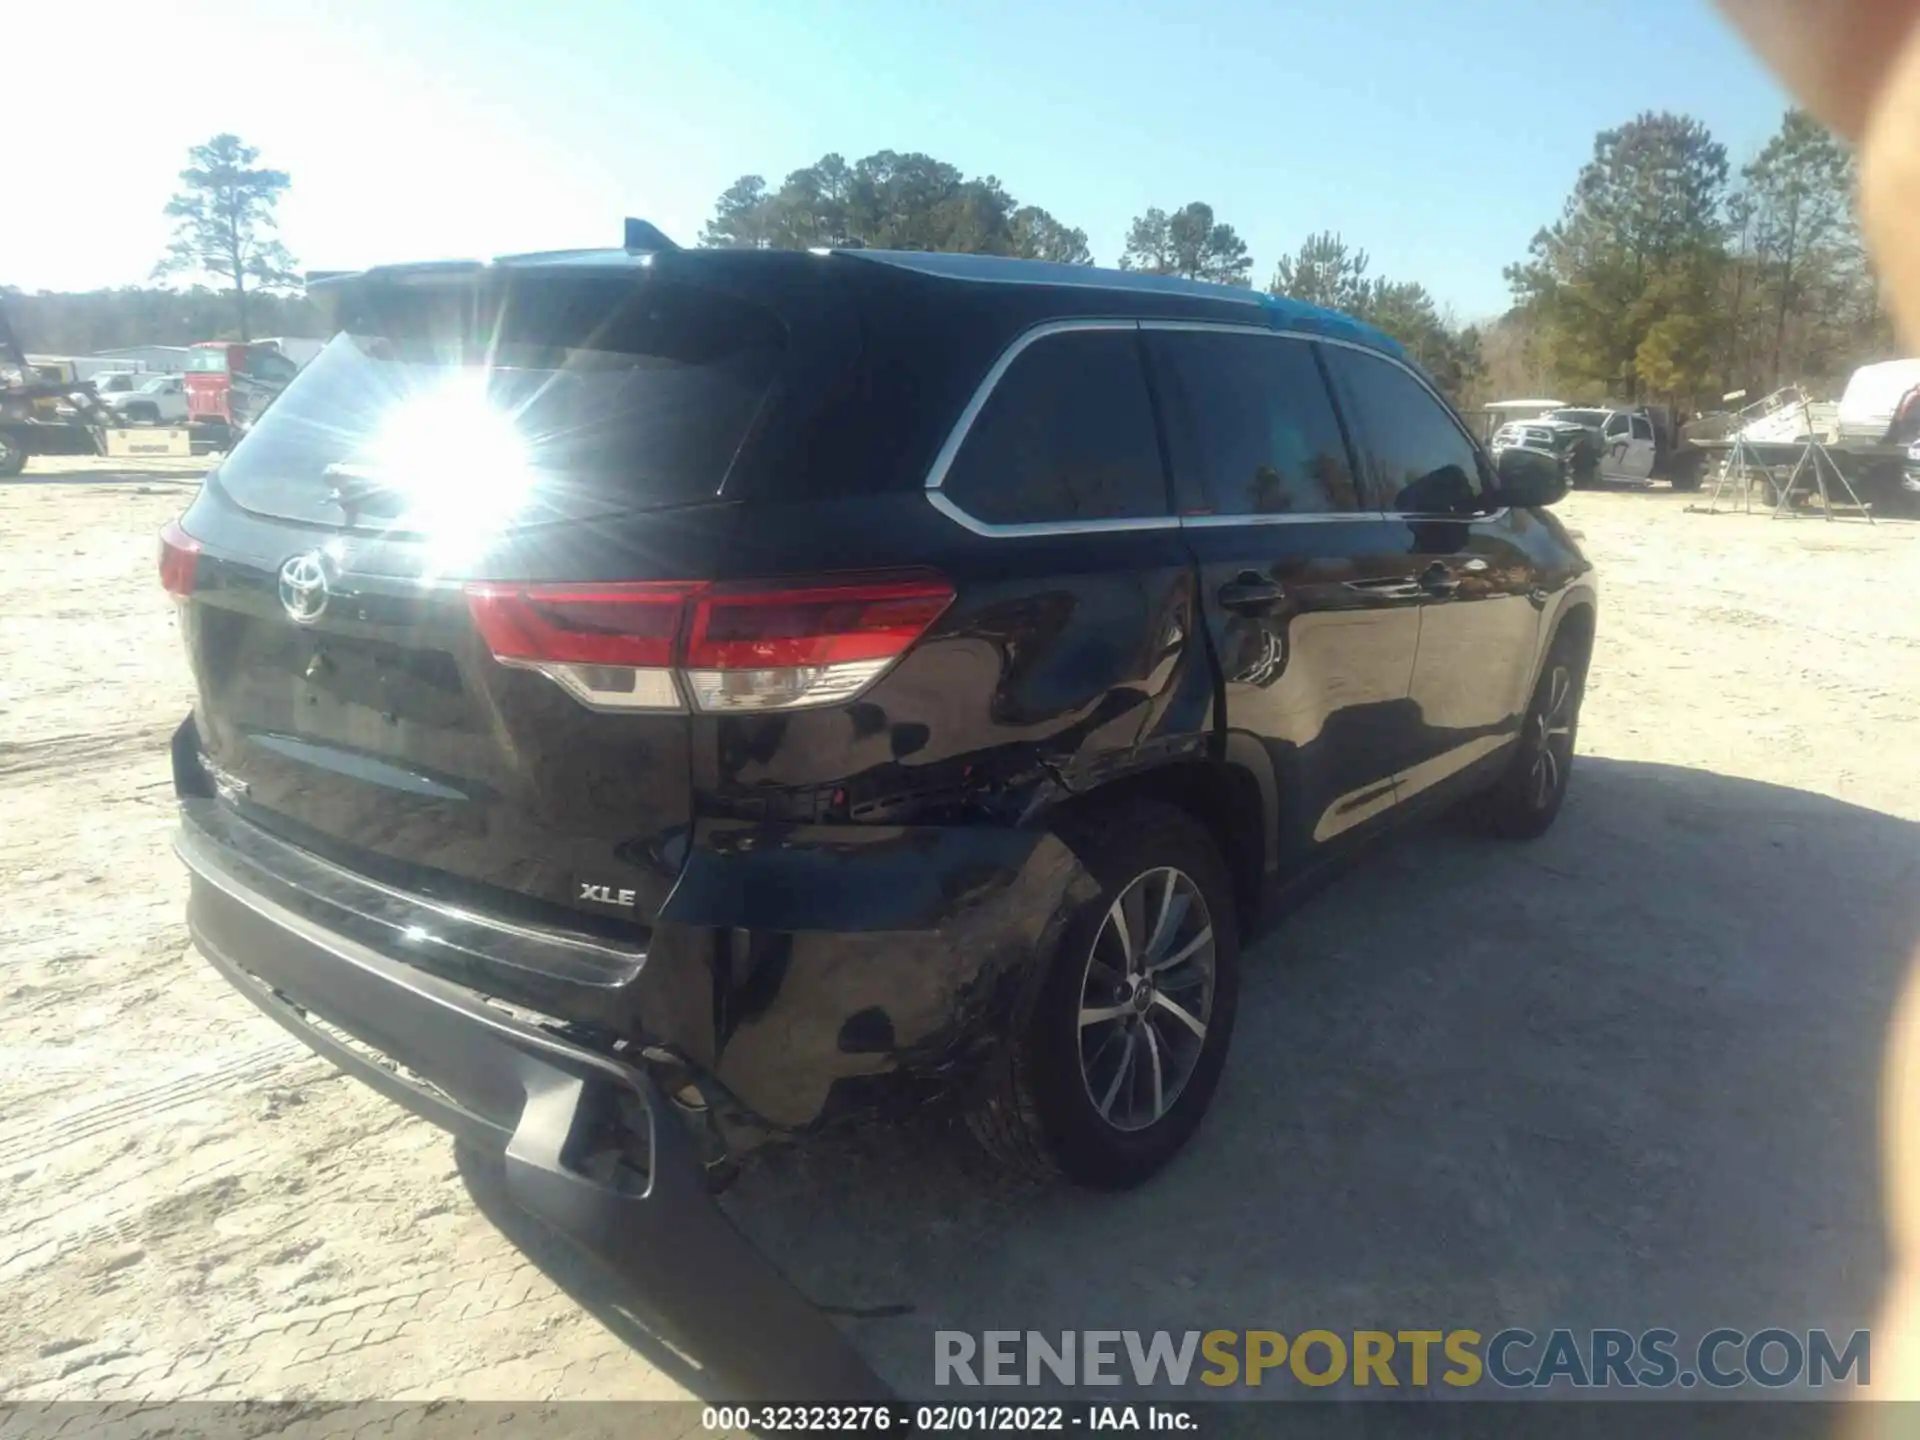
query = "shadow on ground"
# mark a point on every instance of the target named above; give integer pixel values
(1627, 1076)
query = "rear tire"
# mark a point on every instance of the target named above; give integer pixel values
(13, 454)
(1111, 1071)
(1525, 801)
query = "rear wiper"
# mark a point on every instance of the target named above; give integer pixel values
(353, 485)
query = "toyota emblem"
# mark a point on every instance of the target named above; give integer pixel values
(303, 587)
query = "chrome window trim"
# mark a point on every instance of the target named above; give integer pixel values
(1310, 517)
(1026, 529)
(943, 462)
(962, 427)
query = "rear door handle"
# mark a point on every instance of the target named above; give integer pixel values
(1250, 594)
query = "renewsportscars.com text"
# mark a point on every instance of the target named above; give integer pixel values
(1511, 1359)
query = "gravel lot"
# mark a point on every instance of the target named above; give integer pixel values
(1626, 1076)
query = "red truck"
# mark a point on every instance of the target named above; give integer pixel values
(230, 383)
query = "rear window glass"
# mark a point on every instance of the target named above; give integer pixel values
(542, 400)
(1067, 435)
(208, 362)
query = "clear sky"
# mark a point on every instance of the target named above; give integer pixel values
(1438, 136)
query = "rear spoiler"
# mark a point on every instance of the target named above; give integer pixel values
(641, 237)
(644, 235)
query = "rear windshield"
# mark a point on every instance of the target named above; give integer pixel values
(541, 400)
(212, 361)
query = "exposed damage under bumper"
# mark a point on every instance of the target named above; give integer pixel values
(797, 977)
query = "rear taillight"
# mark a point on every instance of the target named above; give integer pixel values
(612, 646)
(179, 557)
(730, 647)
(765, 648)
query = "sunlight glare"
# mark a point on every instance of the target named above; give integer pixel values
(461, 462)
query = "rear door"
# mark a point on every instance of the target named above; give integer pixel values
(1627, 447)
(527, 471)
(1473, 567)
(1309, 601)
(1642, 449)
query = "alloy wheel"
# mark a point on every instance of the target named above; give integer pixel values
(1146, 998)
(1552, 739)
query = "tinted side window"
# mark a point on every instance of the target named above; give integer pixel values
(1642, 428)
(1419, 460)
(1068, 434)
(1254, 430)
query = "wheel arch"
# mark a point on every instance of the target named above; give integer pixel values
(1575, 622)
(1228, 800)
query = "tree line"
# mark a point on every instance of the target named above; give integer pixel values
(1670, 276)
(1667, 275)
(224, 228)
(889, 200)
(84, 322)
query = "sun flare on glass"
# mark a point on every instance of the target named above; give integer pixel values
(459, 459)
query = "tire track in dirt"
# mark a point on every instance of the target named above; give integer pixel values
(46, 1134)
(22, 762)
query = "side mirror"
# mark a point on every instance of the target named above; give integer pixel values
(1530, 477)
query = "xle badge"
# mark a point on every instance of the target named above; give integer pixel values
(606, 894)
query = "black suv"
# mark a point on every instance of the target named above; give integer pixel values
(651, 701)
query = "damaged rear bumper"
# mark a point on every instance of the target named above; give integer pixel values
(590, 1143)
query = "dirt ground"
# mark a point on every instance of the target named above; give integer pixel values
(1626, 1076)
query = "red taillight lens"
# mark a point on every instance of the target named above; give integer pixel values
(760, 628)
(634, 625)
(733, 647)
(791, 647)
(179, 558)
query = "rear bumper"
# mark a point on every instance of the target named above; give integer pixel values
(590, 1143)
(800, 975)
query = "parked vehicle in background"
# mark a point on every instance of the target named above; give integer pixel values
(1610, 443)
(44, 408)
(300, 349)
(1496, 413)
(109, 383)
(1872, 401)
(156, 400)
(1576, 445)
(230, 385)
(660, 702)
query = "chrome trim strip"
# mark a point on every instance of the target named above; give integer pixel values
(261, 869)
(1003, 270)
(943, 462)
(1228, 326)
(1311, 517)
(953, 512)
(1420, 517)
(950, 450)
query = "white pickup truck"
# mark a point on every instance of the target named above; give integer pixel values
(1606, 444)
(156, 400)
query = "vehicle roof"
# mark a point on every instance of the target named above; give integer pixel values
(1168, 292)
(1527, 405)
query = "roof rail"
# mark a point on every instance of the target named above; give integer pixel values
(643, 235)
